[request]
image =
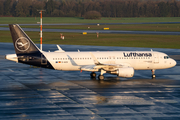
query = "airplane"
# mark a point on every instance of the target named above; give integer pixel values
(120, 63)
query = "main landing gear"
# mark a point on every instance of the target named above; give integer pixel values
(93, 75)
(100, 77)
(153, 74)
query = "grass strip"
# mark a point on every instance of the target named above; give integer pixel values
(142, 27)
(121, 40)
(34, 20)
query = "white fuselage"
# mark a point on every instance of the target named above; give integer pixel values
(139, 60)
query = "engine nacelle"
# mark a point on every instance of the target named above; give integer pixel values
(124, 72)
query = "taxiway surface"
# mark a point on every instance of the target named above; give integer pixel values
(37, 93)
(99, 31)
(96, 23)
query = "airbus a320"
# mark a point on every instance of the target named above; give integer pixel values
(120, 63)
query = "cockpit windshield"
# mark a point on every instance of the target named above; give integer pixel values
(166, 57)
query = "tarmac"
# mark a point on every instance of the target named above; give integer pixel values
(28, 93)
(99, 31)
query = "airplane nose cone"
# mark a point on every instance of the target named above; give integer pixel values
(173, 63)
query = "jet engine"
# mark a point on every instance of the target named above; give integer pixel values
(124, 72)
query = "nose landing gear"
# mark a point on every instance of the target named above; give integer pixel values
(153, 74)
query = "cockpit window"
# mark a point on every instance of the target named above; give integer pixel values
(166, 57)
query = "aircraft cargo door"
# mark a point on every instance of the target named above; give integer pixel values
(156, 58)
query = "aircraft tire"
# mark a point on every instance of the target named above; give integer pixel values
(101, 77)
(93, 75)
(153, 76)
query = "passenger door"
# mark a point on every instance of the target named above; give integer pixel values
(156, 58)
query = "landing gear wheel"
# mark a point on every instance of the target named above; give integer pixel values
(153, 76)
(93, 75)
(101, 77)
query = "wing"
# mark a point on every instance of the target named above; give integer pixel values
(89, 68)
(106, 67)
(98, 66)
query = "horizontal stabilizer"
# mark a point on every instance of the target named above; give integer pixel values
(12, 57)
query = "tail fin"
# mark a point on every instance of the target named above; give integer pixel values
(22, 43)
(27, 52)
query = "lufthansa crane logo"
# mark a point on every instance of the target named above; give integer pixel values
(22, 44)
